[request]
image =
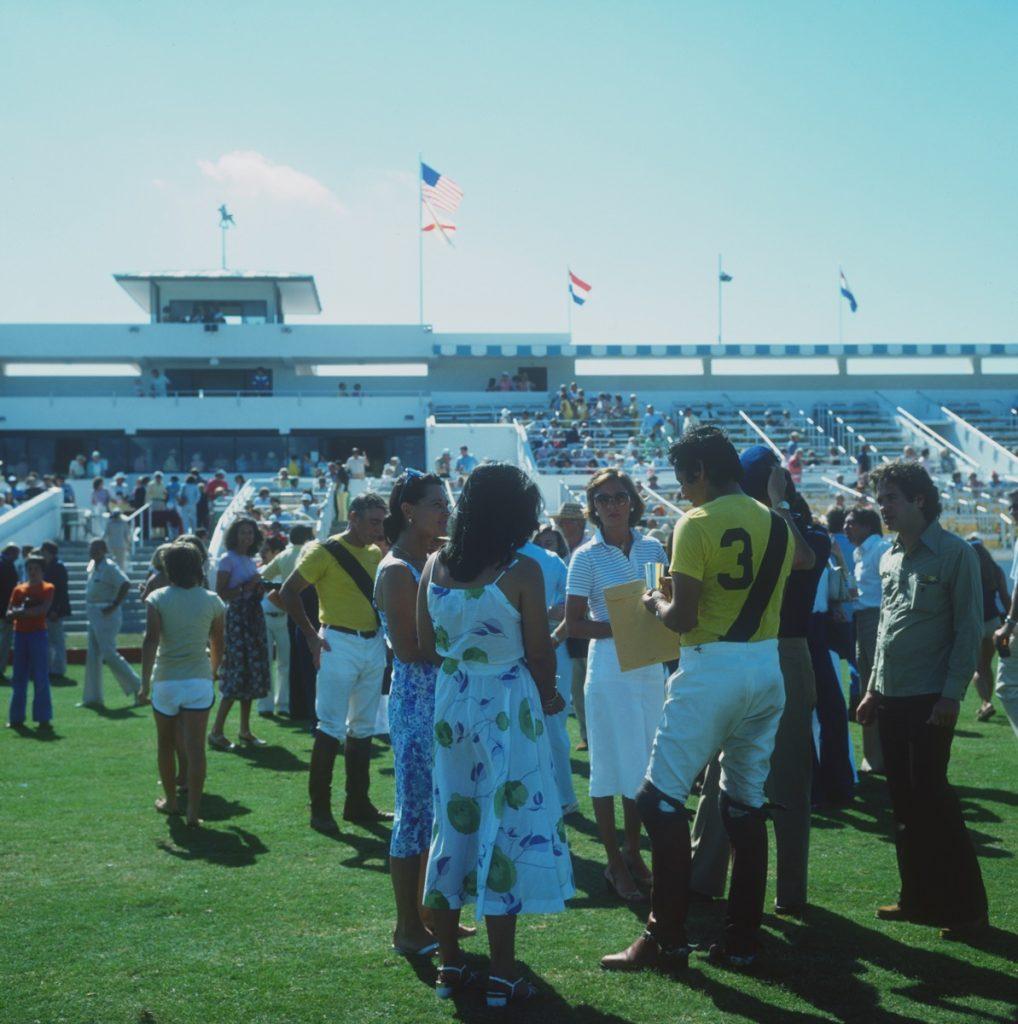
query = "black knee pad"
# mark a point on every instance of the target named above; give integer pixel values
(744, 824)
(655, 806)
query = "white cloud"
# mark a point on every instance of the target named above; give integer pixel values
(252, 175)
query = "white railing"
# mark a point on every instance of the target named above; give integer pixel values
(1000, 458)
(34, 520)
(915, 426)
(141, 520)
(761, 434)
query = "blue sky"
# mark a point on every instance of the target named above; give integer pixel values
(634, 141)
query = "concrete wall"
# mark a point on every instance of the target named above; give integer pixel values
(33, 521)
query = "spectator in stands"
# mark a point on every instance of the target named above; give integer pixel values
(9, 579)
(120, 496)
(55, 572)
(925, 461)
(356, 464)
(76, 468)
(909, 454)
(465, 464)
(581, 411)
(357, 390)
(244, 675)
(98, 465)
(793, 444)
(690, 421)
(27, 610)
(216, 486)
(505, 382)
(391, 469)
(974, 483)
(947, 464)
(158, 383)
(341, 390)
(996, 484)
(795, 467)
(552, 540)
(105, 591)
(865, 531)
(957, 483)
(261, 380)
(622, 708)
(996, 601)
(651, 423)
(182, 618)
(33, 487)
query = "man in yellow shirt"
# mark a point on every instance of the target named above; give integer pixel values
(731, 558)
(348, 650)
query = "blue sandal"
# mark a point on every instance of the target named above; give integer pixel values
(502, 991)
(453, 978)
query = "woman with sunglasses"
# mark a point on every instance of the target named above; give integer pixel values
(623, 708)
(418, 517)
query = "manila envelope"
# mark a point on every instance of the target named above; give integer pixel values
(641, 639)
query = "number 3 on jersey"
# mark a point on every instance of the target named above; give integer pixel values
(744, 559)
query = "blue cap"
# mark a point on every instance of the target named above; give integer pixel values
(757, 463)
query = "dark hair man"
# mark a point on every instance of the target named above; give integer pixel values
(349, 653)
(927, 650)
(55, 572)
(731, 558)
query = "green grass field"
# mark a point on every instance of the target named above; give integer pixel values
(113, 914)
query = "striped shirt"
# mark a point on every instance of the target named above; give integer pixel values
(596, 565)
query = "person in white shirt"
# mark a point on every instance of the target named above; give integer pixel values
(689, 419)
(98, 466)
(865, 530)
(118, 539)
(356, 464)
(106, 590)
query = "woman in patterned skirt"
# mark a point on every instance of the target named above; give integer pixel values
(418, 516)
(499, 839)
(244, 673)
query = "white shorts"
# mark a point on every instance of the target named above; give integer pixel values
(349, 684)
(727, 697)
(171, 696)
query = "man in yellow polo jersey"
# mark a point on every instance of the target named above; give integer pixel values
(731, 558)
(349, 652)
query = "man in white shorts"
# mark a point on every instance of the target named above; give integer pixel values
(349, 652)
(731, 558)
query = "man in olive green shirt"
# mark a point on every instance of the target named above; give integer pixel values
(927, 648)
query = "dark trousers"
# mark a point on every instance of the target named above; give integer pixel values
(841, 639)
(833, 781)
(940, 878)
(303, 677)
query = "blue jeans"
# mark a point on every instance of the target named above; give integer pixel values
(31, 658)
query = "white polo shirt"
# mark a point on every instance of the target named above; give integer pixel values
(596, 565)
(867, 570)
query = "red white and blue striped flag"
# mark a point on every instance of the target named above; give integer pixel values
(439, 191)
(578, 289)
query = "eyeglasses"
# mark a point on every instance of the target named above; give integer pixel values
(621, 498)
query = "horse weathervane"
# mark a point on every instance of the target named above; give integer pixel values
(226, 222)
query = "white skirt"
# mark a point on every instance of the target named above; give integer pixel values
(623, 711)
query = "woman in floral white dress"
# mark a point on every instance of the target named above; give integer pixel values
(499, 838)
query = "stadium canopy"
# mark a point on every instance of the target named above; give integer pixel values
(298, 293)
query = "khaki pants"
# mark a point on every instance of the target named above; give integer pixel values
(789, 785)
(576, 688)
(103, 631)
(57, 647)
(279, 641)
(866, 621)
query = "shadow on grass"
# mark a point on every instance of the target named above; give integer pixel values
(232, 848)
(42, 735)
(278, 759)
(131, 711)
(218, 808)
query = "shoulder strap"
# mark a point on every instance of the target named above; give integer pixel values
(504, 571)
(355, 571)
(762, 587)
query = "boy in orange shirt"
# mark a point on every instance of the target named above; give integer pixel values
(29, 605)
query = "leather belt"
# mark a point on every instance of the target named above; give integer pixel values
(364, 634)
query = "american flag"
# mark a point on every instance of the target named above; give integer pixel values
(439, 191)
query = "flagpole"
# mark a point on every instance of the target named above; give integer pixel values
(840, 310)
(719, 298)
(569, 308)
(420, 243)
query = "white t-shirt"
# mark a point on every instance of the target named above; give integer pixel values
(355, 466)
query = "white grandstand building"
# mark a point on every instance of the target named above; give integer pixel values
(247, 390)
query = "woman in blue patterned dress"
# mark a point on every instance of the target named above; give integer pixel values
(499, 838)
(418, 516)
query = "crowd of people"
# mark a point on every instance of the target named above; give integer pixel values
(482, 627)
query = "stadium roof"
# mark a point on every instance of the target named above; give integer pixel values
(297, 292)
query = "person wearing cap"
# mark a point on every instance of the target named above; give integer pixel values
(97, 465)
(391, 469)
(348, 650)
(572, 522)
(789, 783)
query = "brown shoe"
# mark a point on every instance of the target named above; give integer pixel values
(646, 954)
(896, 912)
